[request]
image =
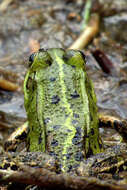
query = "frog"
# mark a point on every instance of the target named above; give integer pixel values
(63, 118)
(61, 107)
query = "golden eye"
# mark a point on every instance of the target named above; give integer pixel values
(75, 58)
(41, 59)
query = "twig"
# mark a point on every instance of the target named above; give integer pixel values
(7, 85)
(4, 4)
(86, 13)
(49, 180)
(19, 133)
(88, 34)
(118, 124)
(4, 125)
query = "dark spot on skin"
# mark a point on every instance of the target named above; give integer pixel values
(80, 145)
(78, 129)
(46, 120)
(79, 156)
(92, 131)
(76, 115)
(6, 165)
(54, 143)
(52, 79)
(22, 136)
(77, 138)
(74, 122)
(14, 167)
(73, 66)
(68, 156)
(53, 154)
(40, 139)
(86, 136)
(55, 127)
(75, 95)
(69, 168)
(89, 153)
(60, 166)
(100, 145)
(70, 149)
(55, 99)
(83, 55)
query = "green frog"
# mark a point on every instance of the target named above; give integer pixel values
(61, 108)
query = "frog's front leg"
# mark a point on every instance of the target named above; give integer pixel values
(119, 125)
(16, 138)
(16, 161)
(107, 164)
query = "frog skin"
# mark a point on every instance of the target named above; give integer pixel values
(61, 107)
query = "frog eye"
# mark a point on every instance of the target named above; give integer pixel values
(31, 59)
(75, 58)
(41, 59)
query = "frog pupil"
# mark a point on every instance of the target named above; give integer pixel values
(31, 59)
